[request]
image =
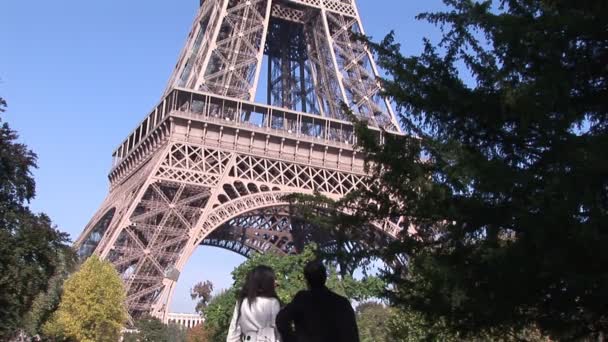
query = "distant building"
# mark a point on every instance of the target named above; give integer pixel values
(185, 320)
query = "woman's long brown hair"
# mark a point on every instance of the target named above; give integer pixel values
(260, 282)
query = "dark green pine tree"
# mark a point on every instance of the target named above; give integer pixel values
(32, 251)
(504, 168)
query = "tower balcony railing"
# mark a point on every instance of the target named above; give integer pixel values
(344, 7)
(240, 114)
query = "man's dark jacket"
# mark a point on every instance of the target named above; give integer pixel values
(318, 315)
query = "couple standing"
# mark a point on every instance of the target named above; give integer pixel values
(314, 315)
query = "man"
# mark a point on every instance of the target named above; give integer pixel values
(317, 314)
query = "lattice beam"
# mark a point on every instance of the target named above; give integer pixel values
(225, 51)
(263, 232)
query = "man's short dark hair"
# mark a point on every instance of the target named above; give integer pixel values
(315, 274)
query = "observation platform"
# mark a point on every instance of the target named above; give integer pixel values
(242, 126)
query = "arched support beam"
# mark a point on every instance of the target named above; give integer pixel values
(222, 214)
(238, 206)
(264, 231)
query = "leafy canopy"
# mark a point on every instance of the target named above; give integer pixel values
(152, 329)
(202, 292)
(46, 302)
(92, 307)
(503, 169)
(17, 184)
(33, 253)
(199, 333)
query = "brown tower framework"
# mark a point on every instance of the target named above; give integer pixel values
(210, 166)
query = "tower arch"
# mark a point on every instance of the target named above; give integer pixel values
(259, 203)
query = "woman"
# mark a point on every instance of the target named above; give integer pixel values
(257, 307)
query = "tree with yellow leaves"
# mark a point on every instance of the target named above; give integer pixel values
(92, 307)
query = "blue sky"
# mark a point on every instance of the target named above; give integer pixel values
(79, 75)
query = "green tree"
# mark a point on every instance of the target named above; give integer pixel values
(411, 326)
(152, 329)
(372, 321)
(503, 167)
(202, 292)
(218, 314)
(176, 333)
(32, 250)
(92, 306)
(334, 221)
(47, 302)
(149, 329)
(381, 323)
(199, 333)
(17, 184)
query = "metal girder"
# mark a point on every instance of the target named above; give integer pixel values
(263, 232)
(225, 51)
(289, 75)
(325, 76)
(159, 228)
(283, 12)
(344, 7)
(278, 231)
(235, 55)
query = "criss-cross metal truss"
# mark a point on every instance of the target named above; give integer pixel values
(266, 230)
(210, 166)
(314, 58)
(278, 231)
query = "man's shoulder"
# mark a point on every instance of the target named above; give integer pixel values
(307, 295)
(339, 298)
(330, 296)
(302, 294)
(327, 294)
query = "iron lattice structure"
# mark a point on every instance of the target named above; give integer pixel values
(211, 166)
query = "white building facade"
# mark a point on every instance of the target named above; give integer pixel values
(185, 320)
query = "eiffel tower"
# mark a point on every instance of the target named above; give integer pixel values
(210, 166)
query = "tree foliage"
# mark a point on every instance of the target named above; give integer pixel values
(372, 321)
(17, 184)
(218, 314)
(45, 303)
(176, 333)
(152, 329)
(335, 222)
(32, 251)
(199, 333)
(92, 306)
(202, 292)
(412, 326)
(380, 323)
(503, 168)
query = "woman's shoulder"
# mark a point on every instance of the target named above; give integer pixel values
(262, 301)
(268, 301)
